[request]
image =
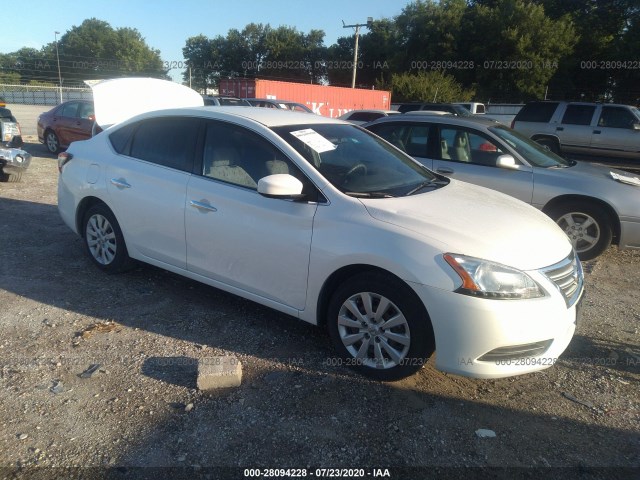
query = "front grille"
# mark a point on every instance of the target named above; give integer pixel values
(567, 276)
(515, 352)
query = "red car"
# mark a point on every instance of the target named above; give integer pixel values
(66, 123)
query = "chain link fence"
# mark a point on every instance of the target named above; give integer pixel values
(41, 95)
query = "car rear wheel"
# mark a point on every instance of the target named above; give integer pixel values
(103, 240)
(587, 227)
(379, 327)
(51, 141)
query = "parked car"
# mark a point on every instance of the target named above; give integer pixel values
(364, 116)
(281, 104)
(218, 100)
(68, 122)
(13, 160)
(582, 128)
(452, 108)
(594, 205)
(476, 108)
(322, 220)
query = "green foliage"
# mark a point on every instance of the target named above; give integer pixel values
(504, 50)
(281, 53)
(431, 86)
(515, 47)
(93, 50)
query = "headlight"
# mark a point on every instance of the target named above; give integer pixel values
(482, 278)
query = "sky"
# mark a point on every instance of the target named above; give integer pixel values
(166, 25)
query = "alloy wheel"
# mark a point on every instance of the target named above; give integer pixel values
(374, 330)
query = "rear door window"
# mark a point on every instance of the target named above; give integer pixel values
(167, 141)
(70, 110)
(578, 114)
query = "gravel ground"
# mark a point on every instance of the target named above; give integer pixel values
(141, 409)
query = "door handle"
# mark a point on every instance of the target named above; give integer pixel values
(559, 129)
(120, 183)
(597, 132)
(203, 206)
(445, 171)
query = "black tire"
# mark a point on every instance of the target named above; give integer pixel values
(591, 240)
(51, 141)
(416, 329)
(103, 240)
(551, 144)
(10, 177)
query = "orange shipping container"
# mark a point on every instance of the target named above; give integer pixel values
(323, 100)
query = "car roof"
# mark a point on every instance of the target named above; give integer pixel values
(429, 118)
(269, 117)
(374, 110)
(578, 102)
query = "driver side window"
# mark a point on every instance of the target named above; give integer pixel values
(462, 145)
(233, 154)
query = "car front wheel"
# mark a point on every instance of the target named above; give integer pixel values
(379, 327)
(103, 240)
(587, 227)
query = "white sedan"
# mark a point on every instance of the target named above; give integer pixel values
(321, 220)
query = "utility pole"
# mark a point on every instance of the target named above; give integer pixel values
(58, 58)
(355, 50)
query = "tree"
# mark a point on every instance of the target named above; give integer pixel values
(516, 49)
(605, 30)
(282, 53)
(431, 86)
(95, 50)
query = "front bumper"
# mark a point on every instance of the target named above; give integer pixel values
(629, 233)
(14, 160)
(468, 328)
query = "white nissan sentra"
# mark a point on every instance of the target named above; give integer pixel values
(319, 219)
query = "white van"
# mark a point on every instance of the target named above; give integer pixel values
(474, 107)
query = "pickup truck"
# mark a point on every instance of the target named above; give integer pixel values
(582, 128)
(13, 160)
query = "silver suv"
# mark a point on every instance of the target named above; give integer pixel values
(582, 128)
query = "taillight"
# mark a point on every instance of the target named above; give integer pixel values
(63, 158)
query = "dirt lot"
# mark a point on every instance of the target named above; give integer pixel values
(294, 409)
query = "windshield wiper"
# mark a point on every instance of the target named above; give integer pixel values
(428, 183)
(369, 194)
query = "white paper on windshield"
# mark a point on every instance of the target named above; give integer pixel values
(624, 179)
(314, 140)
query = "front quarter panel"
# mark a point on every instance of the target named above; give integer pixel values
(349, 236)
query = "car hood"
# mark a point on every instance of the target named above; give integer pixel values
(585, 172)
(122, 98)
(475, 221)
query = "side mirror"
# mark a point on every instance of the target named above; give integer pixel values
(506, 161)
(281, 185)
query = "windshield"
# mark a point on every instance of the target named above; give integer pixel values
(533, 152)
(357, 162)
